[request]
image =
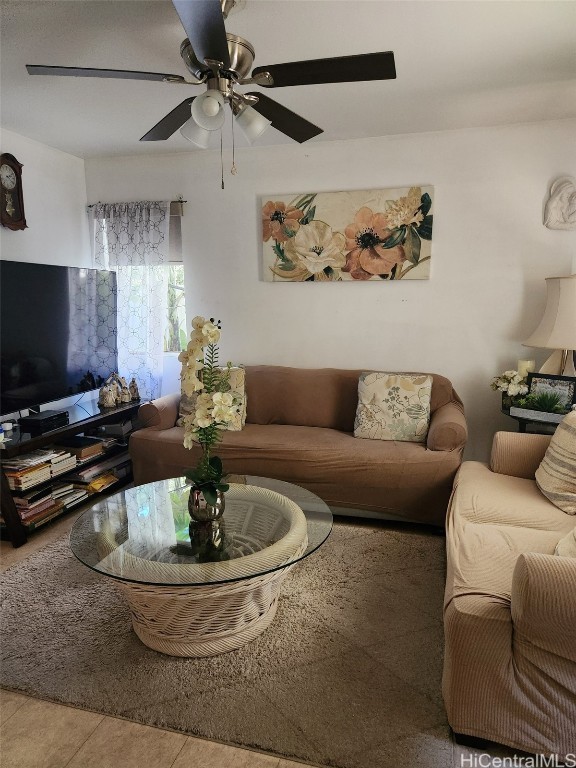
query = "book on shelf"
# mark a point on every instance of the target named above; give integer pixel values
(94, 470)
(82, 446)
(72, 497)
(30, 498)
(63, 465)
(35, 458)
(33, 517)
(24, 508)
(102, 482)
(27, 478)
(60, 490)
(33, 512)
(48, 514)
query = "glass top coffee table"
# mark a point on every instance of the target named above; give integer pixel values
(186, 600)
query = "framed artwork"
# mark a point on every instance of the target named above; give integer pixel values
(377, 234)
(559, 390)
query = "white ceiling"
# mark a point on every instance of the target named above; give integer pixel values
(460, 63)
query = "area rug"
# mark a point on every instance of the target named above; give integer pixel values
(348, 674)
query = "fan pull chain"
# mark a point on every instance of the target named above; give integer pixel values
(233, 170)
(221, 159)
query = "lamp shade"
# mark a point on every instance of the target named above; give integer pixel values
(252, 123)
(194, 133)
(208, 110)
(557, 329)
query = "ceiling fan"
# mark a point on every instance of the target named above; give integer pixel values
(222, 61)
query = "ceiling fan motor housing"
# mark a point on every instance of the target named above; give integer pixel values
(241, 58)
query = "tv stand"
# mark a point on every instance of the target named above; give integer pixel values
(83, 416)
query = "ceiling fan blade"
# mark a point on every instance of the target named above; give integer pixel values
(171, 122)
(284, 120)
(204, 26)
(342, 69)
(123, 74)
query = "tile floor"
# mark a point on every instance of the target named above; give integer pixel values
(40, 734)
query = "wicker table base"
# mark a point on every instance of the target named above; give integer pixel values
(203, 620)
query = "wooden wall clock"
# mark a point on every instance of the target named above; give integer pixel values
(11, 197)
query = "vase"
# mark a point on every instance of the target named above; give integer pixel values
(206, 529)
(200, 510)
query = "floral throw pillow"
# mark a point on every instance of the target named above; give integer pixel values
(237, 387)
(393, 406)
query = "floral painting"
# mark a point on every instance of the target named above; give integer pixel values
(379, 234)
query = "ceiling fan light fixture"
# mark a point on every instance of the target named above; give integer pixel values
(252, 123)
(208, 110)
(195, 133)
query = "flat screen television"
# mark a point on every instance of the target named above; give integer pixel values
(58, 332)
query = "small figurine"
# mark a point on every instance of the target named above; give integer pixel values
(133, 387)
(107, 397)
(125, 396)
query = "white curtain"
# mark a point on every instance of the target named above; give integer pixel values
(132, 240)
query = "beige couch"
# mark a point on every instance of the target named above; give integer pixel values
(510, 605)
(299, 428)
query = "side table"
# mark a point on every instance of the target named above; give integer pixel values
(537, 427)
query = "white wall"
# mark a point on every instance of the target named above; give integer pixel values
(490, 253)
(54, 187)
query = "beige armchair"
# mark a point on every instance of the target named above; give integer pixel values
(510, 605)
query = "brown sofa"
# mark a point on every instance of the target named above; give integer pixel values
(299, 428)
(510, 605)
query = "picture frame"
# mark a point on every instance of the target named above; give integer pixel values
(546, 383)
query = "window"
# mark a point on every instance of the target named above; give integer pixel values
(175, 336)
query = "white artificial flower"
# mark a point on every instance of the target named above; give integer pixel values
(196, 343)
(211, 333)
(203, 421)
(204, 401)
(198, 322)
(188, 440)
(222, 398)
(223, 414)
(189, 385)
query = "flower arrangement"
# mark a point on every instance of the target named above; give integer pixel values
(216, 407)
(510, 383)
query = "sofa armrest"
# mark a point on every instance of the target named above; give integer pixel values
(161, 413)
(448, 430)
(518, 453)
(544, 604)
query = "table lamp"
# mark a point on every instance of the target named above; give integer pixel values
(557, 329)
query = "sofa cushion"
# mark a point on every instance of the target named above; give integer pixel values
(483, 496)
(308, 397)
(566, 547)
(393, 406)
(556, 475)
(483, 556)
